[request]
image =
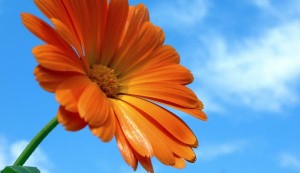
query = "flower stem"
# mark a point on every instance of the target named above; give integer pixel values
(35, 142)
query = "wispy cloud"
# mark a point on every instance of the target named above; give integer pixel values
(178, 14)
(289, 161)
(9, 153)
(259, 73)
(265, 4)
(283, 10)
(215, 151)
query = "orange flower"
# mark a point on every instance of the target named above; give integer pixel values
(108, 67)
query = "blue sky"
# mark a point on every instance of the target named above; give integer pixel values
(245, 56)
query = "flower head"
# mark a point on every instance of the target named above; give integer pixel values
(108, 68)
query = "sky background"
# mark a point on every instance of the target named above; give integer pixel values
(245, 56)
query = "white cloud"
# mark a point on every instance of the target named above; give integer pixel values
(259, 73)
(179, 13)
(290, 161)
(10, 152)
(262, 3)
(215, 151)
(283, 10)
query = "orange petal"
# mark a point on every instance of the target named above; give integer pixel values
(93, 30)
(93, 105)
(145, 162)
(170, 73)
(46, 33)
(129, 16)
(140, 48)
(85, 16)
(107, 130)
(42, 30)
(184, 151)
(70, 120)
(78, 18)
(67, 35)
(179, 162)
(161, 56)
(49, 79)
(68, 92)
(116, 19)
(196, 112)
(102, 12)
(169, 121)
(161, 37)
(152, 132)
(136, 18)
(134, 135)
(67, 12)
(163, 92)
(57, 9)
(148, 129)
(164, 55)
(125, 148)
(178, 148)
(54, 58)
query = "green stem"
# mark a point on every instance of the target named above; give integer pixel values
(35, 142)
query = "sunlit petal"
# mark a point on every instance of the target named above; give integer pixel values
(169, 121)
(125, 148)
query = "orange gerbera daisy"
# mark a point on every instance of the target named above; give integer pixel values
(108, 67)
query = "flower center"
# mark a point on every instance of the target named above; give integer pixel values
(106, 79)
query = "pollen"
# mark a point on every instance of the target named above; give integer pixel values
(106, 79)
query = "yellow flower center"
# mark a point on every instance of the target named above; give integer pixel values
(106, 79)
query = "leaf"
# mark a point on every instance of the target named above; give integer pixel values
(20, 169)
